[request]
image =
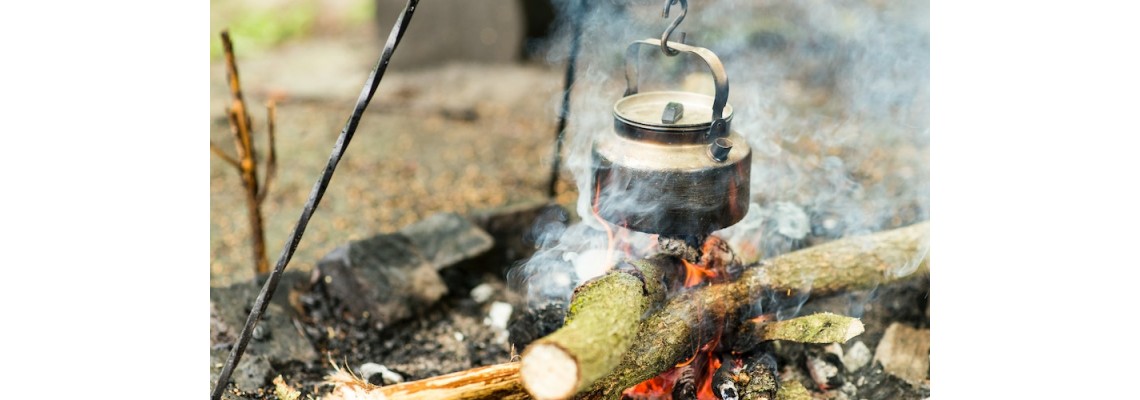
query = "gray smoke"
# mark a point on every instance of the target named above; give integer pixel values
(832, 96)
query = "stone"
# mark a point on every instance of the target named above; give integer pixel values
(905, 353)
(482, 293)
(384, 278)
(857, 356)
(518, 229)
(446, 239)
(379, 375)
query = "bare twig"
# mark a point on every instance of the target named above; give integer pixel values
(225, 157)
(315, 196)
(243, 141)
(271, 161)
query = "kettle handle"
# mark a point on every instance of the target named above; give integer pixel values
(719, 126)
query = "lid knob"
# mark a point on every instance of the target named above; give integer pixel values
(673, 113)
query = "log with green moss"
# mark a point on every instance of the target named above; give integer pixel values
(601, 323)
(691, 319)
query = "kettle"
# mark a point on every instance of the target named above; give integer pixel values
(672, 165)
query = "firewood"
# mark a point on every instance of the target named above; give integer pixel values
(600, 318)
(500, 381)
(815, 328)
(690, 319)
(601, 323)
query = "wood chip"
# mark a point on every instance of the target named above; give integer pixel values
(905, 352)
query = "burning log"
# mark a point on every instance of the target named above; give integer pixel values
(499, 381)
(600, 325)
(687, 321)
(815, 328)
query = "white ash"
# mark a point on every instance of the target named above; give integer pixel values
(459, 337)
(482, 293)
(857, 356)
(379, 375)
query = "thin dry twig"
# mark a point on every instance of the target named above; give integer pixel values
(271, 161)
(225, 157)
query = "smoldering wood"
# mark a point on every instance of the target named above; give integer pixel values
(601, 323)
(815, 328)
(689, 320)
(500, 381)
(671, 333)
(792, 390)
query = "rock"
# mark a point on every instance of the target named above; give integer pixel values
(379, 375)
(251, 373)
(825, 370)
(384, 278)
(905, 353)
(275, 338)
(499, 315)
(858, 355)
(497, 318)
(518, 229)
(446, 239)
(482, 293)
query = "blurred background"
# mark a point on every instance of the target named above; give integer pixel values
(833, 96)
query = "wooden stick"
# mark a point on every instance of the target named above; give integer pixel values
(271, 161)
(225, 157)
(692, 319)
(499, 381)
(816, 328)
(600, 325)
(241, 126)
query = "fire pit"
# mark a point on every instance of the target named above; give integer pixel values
(771, 246)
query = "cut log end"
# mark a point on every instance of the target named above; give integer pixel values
(545, 371)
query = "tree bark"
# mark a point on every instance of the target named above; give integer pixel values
(600, 326)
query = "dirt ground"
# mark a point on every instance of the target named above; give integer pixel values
(449, 138)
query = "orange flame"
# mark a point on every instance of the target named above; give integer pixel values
(609, 232)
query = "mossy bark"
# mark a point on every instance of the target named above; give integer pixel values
(604, 317)
(691, 319)
(815, 328)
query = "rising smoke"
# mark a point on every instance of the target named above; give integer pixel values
(832, 96)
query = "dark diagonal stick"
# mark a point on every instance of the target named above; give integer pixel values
(314, 197)
(577, 14)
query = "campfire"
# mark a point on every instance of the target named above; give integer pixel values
(685, 272)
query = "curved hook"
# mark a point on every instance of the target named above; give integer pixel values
(669, 31)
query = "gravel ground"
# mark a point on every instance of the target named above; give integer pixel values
(451, 138)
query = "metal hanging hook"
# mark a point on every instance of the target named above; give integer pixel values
(669, 31)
